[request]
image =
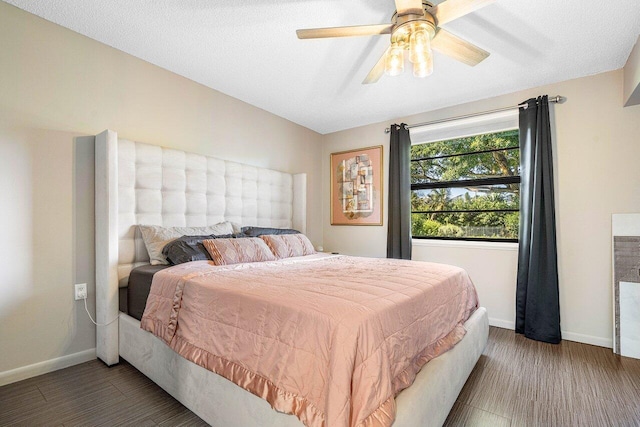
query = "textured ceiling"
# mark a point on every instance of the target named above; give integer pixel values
(249, 50)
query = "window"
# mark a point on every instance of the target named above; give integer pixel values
(466, 188)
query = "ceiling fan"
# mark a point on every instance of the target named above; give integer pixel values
(416, 27)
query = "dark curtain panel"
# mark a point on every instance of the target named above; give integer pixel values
(399, 231)
(537, 300)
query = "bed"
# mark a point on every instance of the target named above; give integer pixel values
(144, 184)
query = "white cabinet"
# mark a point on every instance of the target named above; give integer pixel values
(626, 284)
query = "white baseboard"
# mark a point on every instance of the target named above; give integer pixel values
(24, 372)
(566, 335)
(506, 324)
(587, 339)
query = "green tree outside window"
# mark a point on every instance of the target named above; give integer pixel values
(466, 188)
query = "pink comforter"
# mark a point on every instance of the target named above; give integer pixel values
(331, 339)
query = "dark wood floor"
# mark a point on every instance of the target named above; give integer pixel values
(520, 382)
(92, 394)
(517, 382)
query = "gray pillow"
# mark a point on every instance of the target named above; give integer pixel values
(156, 237)
(189, 248)
(259, 231)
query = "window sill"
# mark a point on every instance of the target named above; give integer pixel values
(495, 246)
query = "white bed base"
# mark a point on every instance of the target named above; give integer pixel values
(132, 187)
(222, 403)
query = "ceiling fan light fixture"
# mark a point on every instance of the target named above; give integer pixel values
(419, 45)
(394, 62)
(414, 36)
(424, 68)
(415, 26)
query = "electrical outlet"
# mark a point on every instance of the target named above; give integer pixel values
(81, 291)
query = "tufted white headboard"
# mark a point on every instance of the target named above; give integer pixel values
(138, 183)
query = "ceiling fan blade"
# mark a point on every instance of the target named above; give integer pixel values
(406, 7)
(358, 30)
(454, 9)
(377, 71)
(457, 48)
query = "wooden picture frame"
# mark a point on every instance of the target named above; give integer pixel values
(356, 187)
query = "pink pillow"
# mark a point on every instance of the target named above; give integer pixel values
(235, 251)
(288, 245)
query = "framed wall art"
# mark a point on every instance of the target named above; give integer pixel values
(356, 187)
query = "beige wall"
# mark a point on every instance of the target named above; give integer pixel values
(596, 143)
(632, 77)
(56, 85)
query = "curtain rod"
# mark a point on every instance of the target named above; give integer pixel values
(553, 99)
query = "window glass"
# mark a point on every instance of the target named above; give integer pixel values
(466, 188)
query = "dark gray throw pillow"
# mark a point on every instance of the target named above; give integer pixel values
(189, 248)
(259, 231)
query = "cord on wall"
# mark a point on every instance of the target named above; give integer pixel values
(89, 314)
